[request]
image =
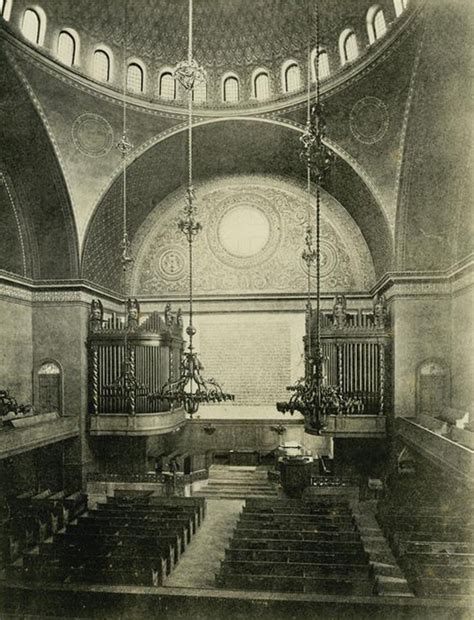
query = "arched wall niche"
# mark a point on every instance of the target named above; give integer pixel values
(252, 240)
(226, 147)
(432, 386)
(49, 386)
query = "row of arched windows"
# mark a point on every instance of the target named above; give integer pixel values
(33, 29)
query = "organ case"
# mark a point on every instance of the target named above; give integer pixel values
(129, 361)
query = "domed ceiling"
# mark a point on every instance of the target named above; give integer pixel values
(226, 32)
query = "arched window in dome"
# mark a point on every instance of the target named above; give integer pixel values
(135, 78)
(66, 48)
(376, 25)
(292, 78)
(31, 26)
(200, 92)
(348, 47)
(261, 86)
(101, 66)
(167, 85)
(5, 9)
(231, 89)
(323, 60)
(400, 6)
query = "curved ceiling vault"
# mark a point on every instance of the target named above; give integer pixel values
(232, 147)
(37, 227)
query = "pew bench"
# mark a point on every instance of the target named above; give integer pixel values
(296, 556)
(336, 545)
(301, 569)
(308, 535)
(313, 585)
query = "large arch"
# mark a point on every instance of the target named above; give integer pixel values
(227, 147)
(40, 239)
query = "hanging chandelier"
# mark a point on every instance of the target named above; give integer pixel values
(191, 388)
(126, 386)
(310, 395)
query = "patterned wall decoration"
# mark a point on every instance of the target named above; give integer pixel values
(369, 120)
(260, 258)
(92, 135)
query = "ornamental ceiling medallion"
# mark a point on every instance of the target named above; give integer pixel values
(369, 120)
(92, 135)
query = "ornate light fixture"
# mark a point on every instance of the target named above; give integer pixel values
(311, 396)
(191, 389)
(126, 385)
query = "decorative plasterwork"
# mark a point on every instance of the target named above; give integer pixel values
(369, 120)
(92, 135)
(161, 259)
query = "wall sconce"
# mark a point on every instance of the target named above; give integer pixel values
(209, 429)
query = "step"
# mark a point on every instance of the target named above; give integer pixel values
(233, 494)
(238, 483)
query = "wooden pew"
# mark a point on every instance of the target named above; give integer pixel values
(332, 537)
(186, 517)
(332, 546)
(258, 567)
(296, 555)
(314, 585)
(285, 522)
(197, 503)
(33, 564)
(166, 528)
(456, 559)
(445, 587)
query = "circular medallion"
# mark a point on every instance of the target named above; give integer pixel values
(92, 135)
(244, 231)
(369, 120)
(171, 263)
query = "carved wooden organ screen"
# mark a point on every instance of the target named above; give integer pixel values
(129, 362)
(356, 354)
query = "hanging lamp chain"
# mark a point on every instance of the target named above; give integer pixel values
(191, 389)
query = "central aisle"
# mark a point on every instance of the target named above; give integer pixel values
(201, 561)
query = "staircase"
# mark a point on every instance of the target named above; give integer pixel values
(227, 482)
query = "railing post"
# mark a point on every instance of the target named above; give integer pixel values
(95, 379)
(381, 346)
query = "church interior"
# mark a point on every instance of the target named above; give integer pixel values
(236, 296)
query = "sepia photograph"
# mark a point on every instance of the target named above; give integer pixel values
(236, 310)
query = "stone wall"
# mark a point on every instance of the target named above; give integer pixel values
(16, 350)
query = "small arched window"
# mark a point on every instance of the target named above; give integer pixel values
(66, 48)
(31, 26)
(167, 86)
(135, 78)
(376, 25)
(348, 47)
(231, 90)
(50, 387)
(200, 92)
(101, 66)
(292, 78)
(5, 9)
(323, 65)
(400, 6)
(261, 86)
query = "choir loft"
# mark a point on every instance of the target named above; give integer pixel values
(236, 292)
